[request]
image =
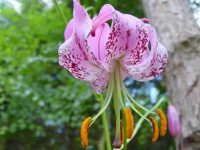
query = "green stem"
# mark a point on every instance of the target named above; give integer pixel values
(60, 11)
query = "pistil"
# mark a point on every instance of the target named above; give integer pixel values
(117, 140)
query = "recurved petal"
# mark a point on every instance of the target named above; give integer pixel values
(149, 58)
(73, 58)
(82, 29)
(122, 37)
(82, 21)
(153, 65)
(104, 15)
(97, 42)
(100, 84)
(69, 29)
(137, 53)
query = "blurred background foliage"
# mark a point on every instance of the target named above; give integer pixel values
(41, 104)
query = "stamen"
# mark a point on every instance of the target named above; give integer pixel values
(128, 96)
(107, 100)
(163, 122)
(129, 122)
(84, 132)
(155, 133)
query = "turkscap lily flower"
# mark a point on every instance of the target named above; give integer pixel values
(105, 55)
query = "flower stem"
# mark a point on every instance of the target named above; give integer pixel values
(60, 11)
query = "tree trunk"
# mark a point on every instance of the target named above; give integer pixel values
(179, 32)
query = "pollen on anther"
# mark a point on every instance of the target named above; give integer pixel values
(84, 132)
(129, 122)
(155, 133)
(163, 122)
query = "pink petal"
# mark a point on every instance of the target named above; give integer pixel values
(82, 21)
(151, 67)
(136, 53)
(73, 58)
(69, 29)
(144, 63)
(105, 14)
(122, 37)
(82, 28)
(97, 43)
(99, 85)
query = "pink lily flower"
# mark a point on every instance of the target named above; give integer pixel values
(129, 41)
(105, 55)
(173, 121)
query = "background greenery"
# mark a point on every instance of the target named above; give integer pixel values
(41, 104)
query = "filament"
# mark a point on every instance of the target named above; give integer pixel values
(108, 99)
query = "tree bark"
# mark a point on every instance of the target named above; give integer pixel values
(179, 32)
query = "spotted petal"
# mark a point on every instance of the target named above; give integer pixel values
(99, 85)
(77, 56)
(145, 41)
(154, 64)
(148, 59)
(122, 37)
(72, 58)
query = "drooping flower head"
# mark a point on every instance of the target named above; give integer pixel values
(105, 55)
(173, 121)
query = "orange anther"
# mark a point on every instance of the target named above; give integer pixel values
(155, 133)
(163, 122)
(129, 122)
(84, 132)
